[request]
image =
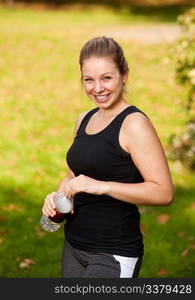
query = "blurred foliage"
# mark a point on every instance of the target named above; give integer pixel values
(157, 10)
(185, 54)
(135, 3)
(183, 147)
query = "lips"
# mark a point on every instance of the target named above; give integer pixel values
(102, 98)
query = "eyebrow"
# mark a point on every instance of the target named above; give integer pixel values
(101, 75)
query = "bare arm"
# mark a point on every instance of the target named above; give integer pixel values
(147, 153)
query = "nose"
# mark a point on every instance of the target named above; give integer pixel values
(98, 86)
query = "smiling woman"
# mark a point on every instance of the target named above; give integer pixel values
(116, 162)
(102, 87)
(104, 70)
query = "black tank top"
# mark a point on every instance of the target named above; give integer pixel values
(100, 222)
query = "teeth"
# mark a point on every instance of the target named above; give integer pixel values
(102, 96)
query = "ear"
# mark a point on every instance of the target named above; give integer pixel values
(125, 76)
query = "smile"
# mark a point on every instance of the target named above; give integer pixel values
(102, 98)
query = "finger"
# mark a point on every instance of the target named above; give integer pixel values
(73, 188)
(45, 212)
(72, 174)
(71, 194)
(50, 212)
(68, 191)
(49, 207)
(50, 200)
(68, 195)
(53, 193)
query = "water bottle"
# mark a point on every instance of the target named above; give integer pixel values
(63, 205)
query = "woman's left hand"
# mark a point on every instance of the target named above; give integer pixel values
(85, 184)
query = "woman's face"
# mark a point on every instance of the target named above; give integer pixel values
(102, 81)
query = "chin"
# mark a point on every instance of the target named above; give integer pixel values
(104, 105)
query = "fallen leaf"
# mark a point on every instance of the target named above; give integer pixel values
(142, 210)
(2, 218)
(39, 232)
(162, 219)
(26, 263)
(16, 190)
(29, 220)
(192, 246)
(3, 232)
(181, 234)
(162, 272)
(11, 207)
(193, 205)
(1, 240)
(185, 252)
(143, 228)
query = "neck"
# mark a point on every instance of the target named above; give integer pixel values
(113, 110)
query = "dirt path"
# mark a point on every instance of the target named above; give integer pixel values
(147, 34)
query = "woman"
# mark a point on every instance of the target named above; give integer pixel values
(116, 162)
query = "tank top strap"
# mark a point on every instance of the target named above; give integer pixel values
(115, 125)
(127, 111)
(85, 120)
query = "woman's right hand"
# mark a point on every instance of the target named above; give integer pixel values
(48, 208)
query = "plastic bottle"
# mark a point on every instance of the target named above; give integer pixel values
(63, 206)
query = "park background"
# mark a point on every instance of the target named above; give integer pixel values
(40, 99)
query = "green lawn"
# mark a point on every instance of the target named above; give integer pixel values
(40, 98)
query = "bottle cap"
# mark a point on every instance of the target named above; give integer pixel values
(62, 203)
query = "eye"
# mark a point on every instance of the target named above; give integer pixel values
(107, 77)
(87, 79)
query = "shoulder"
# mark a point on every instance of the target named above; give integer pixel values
(79, 120)
(81, 117)
(141, 138)
(135, 121)
(138, 127)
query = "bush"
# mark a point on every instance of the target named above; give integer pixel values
(183, 146)
(184, 52)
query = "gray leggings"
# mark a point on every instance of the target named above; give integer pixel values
(78, 263)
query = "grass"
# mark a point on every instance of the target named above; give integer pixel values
(40, 98)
